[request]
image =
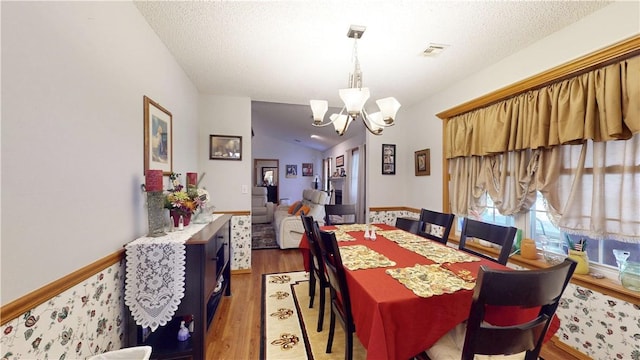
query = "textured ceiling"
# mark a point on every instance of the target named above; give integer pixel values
(288, 52)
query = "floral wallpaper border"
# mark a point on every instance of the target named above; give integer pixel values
(85, 320)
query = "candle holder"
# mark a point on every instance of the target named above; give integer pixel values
(155, 207)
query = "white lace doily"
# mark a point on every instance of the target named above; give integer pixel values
(155, 273)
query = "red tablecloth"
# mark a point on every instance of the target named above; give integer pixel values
(391, 321)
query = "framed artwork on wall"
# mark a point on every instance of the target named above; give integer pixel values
(307, 169)
(388, 159)
(225, 147)
(422, 160)
(292, 171)
(340, 161)
(158, 137)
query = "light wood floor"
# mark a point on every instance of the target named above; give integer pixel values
(235, 334)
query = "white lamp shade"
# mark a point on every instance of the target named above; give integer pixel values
(375, 123)
(319, 108)
(340, 123)
(388, 107)
(354, 99)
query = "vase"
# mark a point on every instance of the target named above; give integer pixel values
(186, 218)
(582, 259)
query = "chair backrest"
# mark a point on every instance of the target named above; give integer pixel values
(335, 271)
(528, 288)
(443, 220)
(258, 196)
(407, 224)
(496, 234)
(314, 246)
(341, 210)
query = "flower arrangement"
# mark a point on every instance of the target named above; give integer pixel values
(184, 201)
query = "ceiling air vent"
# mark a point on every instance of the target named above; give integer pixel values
(434, 49)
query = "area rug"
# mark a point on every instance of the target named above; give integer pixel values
(289, 326)
(263, 236)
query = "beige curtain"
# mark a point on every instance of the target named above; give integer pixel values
(600, 105)
(557, 140)
(597, 192)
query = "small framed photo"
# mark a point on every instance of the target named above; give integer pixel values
(307, 169)
(158, 137)
(225, 147)
(339, 160)
(388, 159)
(292, 171)
(422, 160)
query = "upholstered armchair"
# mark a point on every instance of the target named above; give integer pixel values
(261, 209)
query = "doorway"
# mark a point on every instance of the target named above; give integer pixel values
(265, 173)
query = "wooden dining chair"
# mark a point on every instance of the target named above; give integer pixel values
(495, 234)
(340, 298)
(443, 220)
(410, 225)
(526, 289)
(333, 211)
(316, 272)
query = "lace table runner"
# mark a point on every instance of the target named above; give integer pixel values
(355, 257)
(155, 271)
(399, 236)
(429, 280)
(437, 252)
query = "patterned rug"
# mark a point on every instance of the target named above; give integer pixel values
(289, 326)
(263, 236)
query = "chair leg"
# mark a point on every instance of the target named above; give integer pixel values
(348, 351)
(323, 291)
(312, 287)
(332, 327)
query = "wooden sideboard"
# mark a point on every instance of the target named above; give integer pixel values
(207, 279)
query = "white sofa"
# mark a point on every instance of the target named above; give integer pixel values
(289, 228)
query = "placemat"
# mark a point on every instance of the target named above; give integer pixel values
(355, 257)
(399, 236)
(429, 280)
(356, 227)
(437, 252)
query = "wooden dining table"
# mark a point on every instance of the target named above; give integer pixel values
(392, 322)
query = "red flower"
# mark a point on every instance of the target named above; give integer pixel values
(8, 330)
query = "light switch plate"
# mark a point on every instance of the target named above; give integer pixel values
(245, 189)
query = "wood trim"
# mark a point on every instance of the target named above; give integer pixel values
(568, 349)
(394, 208)
(604, 286)
(240, 271)
(21, 305)
(616, 52)
(236, 213)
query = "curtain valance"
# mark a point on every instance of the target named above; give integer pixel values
(600, 105)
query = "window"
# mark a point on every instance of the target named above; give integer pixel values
(599, 251)
(491, 215)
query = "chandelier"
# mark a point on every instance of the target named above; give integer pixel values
(354, 98)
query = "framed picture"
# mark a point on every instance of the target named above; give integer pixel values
(269, 176)
(225, 147)
(422, 160)
(339, 160)
(307, 169)
(292, 171)
(388, 159)
(158, 139)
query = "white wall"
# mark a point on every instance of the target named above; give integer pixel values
(226, 179)
(74, 76)
(266, 147)
(612, 24)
